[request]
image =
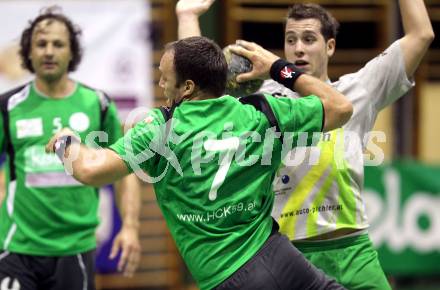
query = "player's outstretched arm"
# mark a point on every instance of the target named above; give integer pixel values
(188, 12)
(338, 109)
(95, 167)
(418, 33)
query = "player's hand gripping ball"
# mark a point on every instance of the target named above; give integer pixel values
(238, 64)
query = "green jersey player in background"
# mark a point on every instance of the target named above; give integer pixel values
(47, 218)
(213, 161)
(318, 201)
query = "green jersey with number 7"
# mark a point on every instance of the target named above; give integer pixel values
(203, 178)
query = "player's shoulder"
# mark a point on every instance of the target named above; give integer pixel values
(101, 95)
(271, 87)
(91, 89)
(13, 91)
(15, 95)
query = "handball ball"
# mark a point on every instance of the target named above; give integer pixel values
(238, 64)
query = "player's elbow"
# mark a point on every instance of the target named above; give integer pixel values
(343, 109)
(426, 36)
(429, 36)
(337, 115)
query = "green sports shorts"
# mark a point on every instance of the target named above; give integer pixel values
(352, 261)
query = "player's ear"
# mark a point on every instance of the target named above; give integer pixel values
(188, 88)
(331, 46)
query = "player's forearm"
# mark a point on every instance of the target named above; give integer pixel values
(95, 167)
(188, 12)
(92, 166)
(128, 190)
(78, 161)
(415, 20)
(2, 195)
(338, 109)
(188, 25)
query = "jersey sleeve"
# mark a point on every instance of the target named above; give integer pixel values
(384, 77)
(301, 115)
(276, 89)
(112, 124)
(139, 146)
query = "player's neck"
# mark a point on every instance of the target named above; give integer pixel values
(324, 76)
(57, 89)
(198, 96)
(326, 79)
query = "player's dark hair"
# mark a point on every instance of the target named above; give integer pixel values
(201, 60)
(329, 25)
(53, 13)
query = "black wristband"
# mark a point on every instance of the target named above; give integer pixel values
(285, 73)
(62, 143)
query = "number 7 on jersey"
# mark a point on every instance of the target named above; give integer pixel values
(230, 145)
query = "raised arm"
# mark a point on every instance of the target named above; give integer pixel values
(188, 12)
(338, 109)
(95, 167)
(418, 33)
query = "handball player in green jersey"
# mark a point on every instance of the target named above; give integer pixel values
(48, 219)
(213, 160)
(318, 200)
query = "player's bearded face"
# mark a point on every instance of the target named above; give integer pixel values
(305, 46)
(50, 50)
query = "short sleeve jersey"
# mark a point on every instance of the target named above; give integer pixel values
(318, 189)
(46, 212)
(213, 181)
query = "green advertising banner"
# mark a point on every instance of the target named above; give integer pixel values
(403, 207)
